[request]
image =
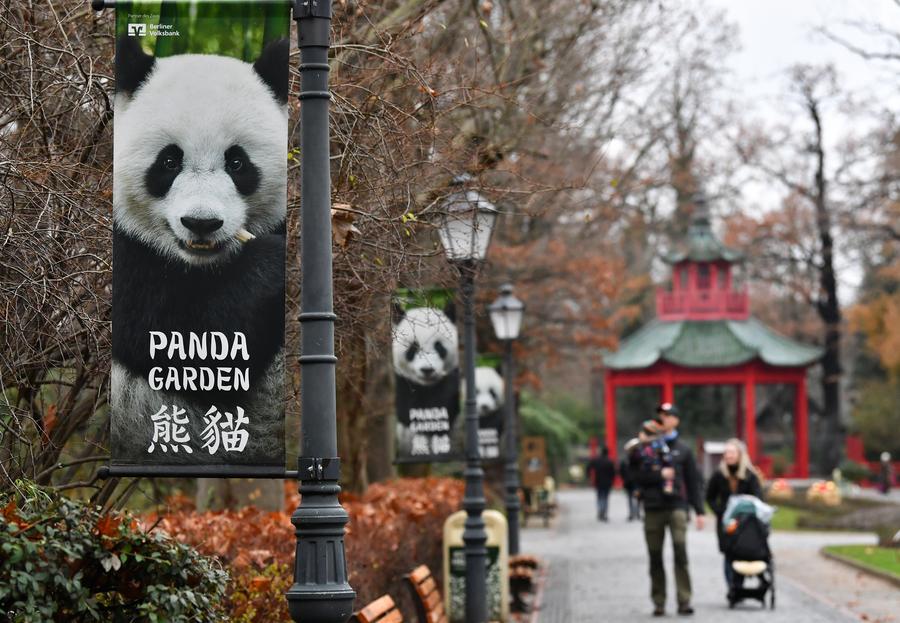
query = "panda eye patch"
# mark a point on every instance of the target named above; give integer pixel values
(412, 351)
(165, 168)
(243, 172)
(440, 349)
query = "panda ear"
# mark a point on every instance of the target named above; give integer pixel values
(450, 310)
(272, 67)
(133, 65)
(397, 311)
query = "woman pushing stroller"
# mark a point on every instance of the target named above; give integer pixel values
(736, 475)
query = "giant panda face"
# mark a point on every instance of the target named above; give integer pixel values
(488, 390)
(425, 346)
(200, 150)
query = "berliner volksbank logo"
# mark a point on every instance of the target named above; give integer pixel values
(138, 29)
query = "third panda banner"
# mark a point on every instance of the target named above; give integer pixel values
(199, 198)
(489, 397)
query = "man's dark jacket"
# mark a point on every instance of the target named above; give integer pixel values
(604, 472)
(688, 490)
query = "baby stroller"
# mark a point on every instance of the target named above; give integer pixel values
(746, 524)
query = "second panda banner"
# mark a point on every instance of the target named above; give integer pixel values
(429, 390)
(199, 199)
(425, 348)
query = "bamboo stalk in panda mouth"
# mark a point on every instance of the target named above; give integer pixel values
(243, 236)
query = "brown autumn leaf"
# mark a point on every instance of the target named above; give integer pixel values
(260, 583)
(342, 227)
(11, 516)
(108, 526)
(50, 421)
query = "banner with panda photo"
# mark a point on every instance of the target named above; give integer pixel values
(489, 403)
(425, 347)
(199, 198)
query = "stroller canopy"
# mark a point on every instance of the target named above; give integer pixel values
(743, 505)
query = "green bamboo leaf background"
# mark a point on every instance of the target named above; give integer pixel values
(228, 27)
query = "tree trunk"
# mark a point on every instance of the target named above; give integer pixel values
(828, 307)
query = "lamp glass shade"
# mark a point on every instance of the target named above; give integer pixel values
(467, 225)
(506, 315)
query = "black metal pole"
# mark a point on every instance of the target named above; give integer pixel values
(474, 534)
(321, 592)
(512, 453)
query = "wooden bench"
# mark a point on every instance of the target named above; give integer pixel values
(522, 570)
(382, 610)
(426, 595)
(523, 560)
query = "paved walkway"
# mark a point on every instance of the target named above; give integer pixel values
(598, 573)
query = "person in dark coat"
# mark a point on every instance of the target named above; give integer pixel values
(735, 476)
(885, 473)
(603, 472)
(628, 485)
(669, 486)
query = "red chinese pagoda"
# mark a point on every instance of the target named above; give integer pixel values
(704, 334)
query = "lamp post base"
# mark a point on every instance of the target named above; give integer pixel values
(321, 592)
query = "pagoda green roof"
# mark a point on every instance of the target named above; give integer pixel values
(709, 344)
(702, 245)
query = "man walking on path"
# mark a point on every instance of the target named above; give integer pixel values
(602, 471)
(669, 488)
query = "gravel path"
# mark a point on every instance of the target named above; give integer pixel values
(598, 572)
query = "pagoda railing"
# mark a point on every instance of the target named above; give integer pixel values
(702, 305)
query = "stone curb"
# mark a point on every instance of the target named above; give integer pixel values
(850, 562)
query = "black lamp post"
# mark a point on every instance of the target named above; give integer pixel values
(321, 592)
(465, 231)
(506, 316)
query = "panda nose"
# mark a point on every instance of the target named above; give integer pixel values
(427, 371)
(202, 226)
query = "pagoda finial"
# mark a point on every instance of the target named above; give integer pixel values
(700, 218)
(701, 244)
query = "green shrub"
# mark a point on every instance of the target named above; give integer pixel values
(855, 472)
(542, 420)
(780, 463)
(61, 560)
(877, 418)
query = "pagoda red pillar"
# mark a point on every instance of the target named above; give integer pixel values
(801, 429)
(738, 411)
(609, 408)
(750, 414)
(668, 388)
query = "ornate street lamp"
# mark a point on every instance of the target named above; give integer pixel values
(465, 231)
(506, 316)
(321, 592)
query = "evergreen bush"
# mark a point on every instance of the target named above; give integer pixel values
(61, 560)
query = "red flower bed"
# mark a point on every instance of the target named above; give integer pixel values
(393, 527)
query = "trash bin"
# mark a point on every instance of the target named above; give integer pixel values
(455, 566)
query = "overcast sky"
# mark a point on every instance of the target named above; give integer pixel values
(776, 34)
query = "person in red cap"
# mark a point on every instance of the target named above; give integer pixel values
(669, 488)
